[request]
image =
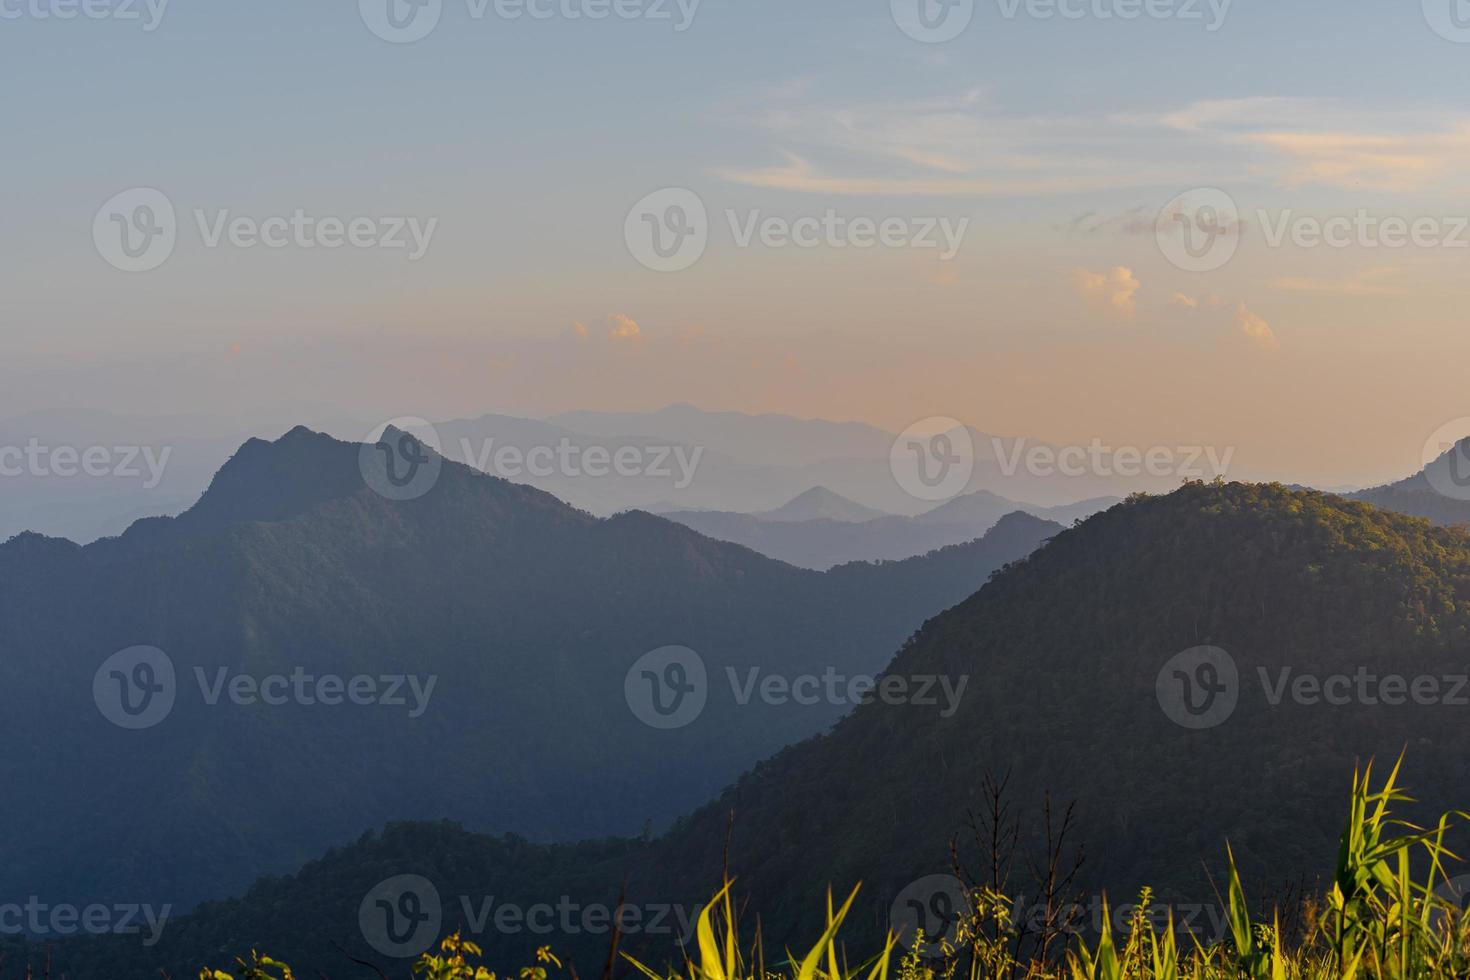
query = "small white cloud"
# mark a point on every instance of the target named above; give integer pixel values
(1113, 290)
(1256, 328)
(623, 327)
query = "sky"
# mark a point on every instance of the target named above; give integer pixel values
(503, 165)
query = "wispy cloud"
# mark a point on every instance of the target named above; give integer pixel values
(1369, 282)
(968, 145)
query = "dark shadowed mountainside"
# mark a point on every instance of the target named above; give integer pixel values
(462, 655)
(1076, 688)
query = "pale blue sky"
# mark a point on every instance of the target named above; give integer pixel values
(529, 141)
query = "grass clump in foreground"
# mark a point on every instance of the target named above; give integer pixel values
(1387, 916)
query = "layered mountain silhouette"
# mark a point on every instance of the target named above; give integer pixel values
(818, 504)
(1077, 688)
(477, 647)
(819, 528)
(1439, 492)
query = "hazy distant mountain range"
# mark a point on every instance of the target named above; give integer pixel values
(819, 528)
(677, 459)
(508, 623)
(1439, 492)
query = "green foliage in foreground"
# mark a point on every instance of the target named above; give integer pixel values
(1386, 917)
